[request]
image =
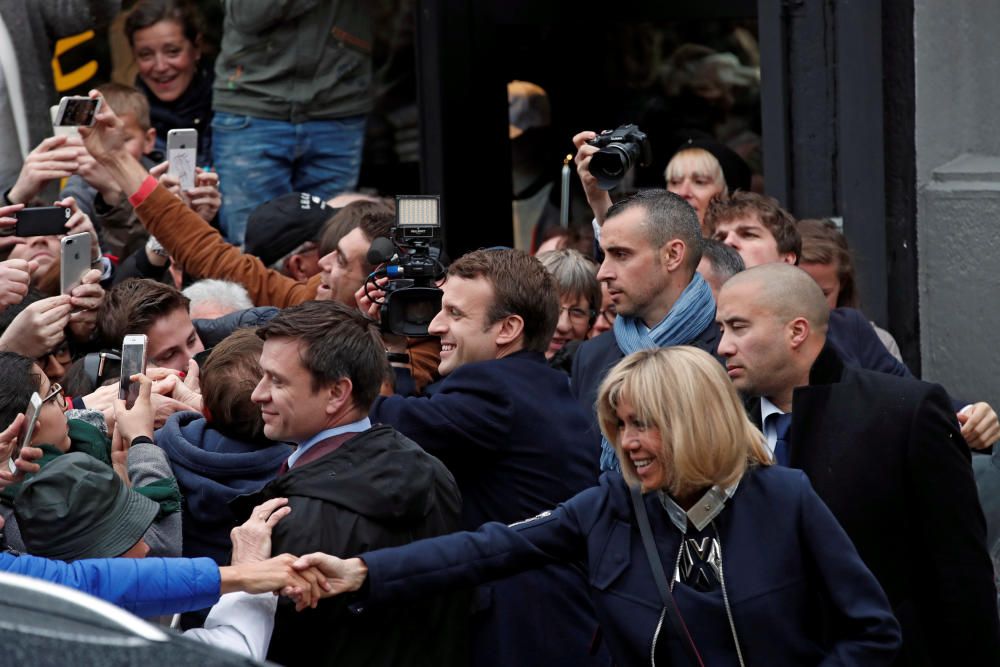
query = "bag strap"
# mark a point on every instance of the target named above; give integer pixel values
(660, 577)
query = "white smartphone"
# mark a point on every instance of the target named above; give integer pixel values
(28, 427)
(77, 111)
(133, 361)
(61, 130)
(182, 153)
(74, 260)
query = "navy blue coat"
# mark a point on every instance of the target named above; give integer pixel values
(515, 440)
(799, 593)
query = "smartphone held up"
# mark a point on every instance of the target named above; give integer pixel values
(76, 112)
(133, 362)
(182, 154)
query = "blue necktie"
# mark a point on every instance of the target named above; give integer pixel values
(782, 423)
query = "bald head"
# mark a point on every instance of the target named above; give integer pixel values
(785, 291)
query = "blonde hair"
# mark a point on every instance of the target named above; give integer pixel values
(683, 391)
(698, 161)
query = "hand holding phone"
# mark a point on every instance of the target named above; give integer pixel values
(182, 154)
(74, 260)
(42, 221)
(77, 112)
(133, 363)
(28, 427)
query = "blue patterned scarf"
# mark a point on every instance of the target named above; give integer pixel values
(693, 311)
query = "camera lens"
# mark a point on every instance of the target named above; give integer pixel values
(610, 164)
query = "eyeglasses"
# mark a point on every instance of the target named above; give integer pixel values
(56, 392)
(578, 315)
(609, 314)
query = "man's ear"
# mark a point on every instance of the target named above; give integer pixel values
(673, 254)
(799, 331)
(790, 258)
(294, 268)
(339, 394)
(511, 328)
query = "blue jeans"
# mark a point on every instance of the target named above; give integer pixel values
(259, 159)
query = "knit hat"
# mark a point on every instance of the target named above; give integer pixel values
(278, 227)
(77, 507)
(734, 168)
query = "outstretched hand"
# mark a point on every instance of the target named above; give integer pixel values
(341, 576)
(252, 539)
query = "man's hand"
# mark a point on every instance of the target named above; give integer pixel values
(131, 423)
(204, 199)
(119, 456)
(599, 200)
(8, 221)
(105, 140)
(39, 328)
(370, 298)
(98, 177)
(8, 441)
(25, 463)
(342, 576)
(980, 426)
(80, 222)
(252, 540)
(54, 158)
(274, 575)
(15, 276)
(86, 298)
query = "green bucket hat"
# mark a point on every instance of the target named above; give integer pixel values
(77, 507)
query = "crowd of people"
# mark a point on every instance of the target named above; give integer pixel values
(684, 445)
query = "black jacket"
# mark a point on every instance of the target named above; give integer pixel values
(886, 455)
(379, 489)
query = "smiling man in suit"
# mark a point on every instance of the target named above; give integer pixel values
(885, 453)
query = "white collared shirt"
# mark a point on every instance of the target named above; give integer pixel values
(767, 408)
(354, 427)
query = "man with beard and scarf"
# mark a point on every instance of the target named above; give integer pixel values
(652, 246)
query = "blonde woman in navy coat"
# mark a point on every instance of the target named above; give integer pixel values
(760, 570)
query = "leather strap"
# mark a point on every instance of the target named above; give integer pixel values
(660, 577)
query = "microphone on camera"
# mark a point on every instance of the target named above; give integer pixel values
(381, 250)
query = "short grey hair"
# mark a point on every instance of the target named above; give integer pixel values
(575, 275)
(223, 293)
(668, 217)
(725, 261)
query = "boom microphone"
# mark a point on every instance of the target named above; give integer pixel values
(381, 250)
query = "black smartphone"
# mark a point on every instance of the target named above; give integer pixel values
(133, 362)
(42, 221)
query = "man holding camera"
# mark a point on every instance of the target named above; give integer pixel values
(510, 432)
(652, 246)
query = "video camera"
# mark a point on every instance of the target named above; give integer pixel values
(412, 258)
(621, 149)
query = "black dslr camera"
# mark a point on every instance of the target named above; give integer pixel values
(621, 149)
(412, 259)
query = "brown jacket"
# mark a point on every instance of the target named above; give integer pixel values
(201, 250)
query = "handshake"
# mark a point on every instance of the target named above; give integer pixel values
(305, 580)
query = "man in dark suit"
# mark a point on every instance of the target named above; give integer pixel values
(885, 453)
(508, 429)
(762, 233)
(652, 245)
